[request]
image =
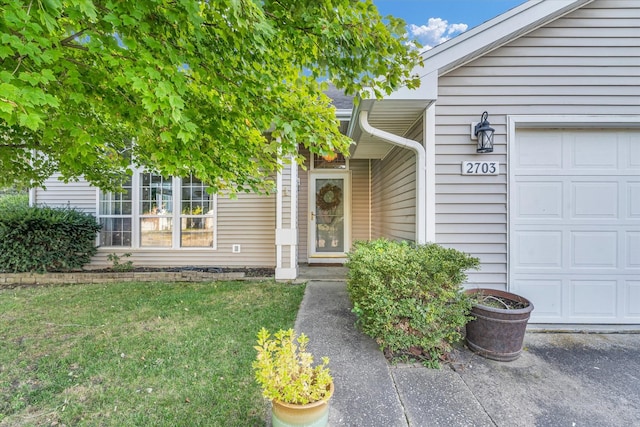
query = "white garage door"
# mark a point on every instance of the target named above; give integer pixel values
(575, 224)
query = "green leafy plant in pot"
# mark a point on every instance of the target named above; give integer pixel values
(299, 391)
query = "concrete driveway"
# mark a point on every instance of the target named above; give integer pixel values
(560, 380)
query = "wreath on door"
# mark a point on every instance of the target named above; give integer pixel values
(329, 197)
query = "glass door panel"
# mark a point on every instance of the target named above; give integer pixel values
(328, 216)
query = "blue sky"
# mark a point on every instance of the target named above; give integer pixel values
(434, 21)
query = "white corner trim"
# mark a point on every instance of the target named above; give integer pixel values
(293, 183)
(279, 203)
(287, 236)
(32, 196)
(287, 273)
(430, 185)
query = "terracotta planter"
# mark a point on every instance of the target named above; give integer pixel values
(314, 414)
(498, 333)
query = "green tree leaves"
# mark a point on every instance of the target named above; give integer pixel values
(211, 88)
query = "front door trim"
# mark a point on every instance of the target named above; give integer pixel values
(325, 257)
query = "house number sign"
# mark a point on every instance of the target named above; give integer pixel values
(480, 168)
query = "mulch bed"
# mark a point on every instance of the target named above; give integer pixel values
(248, 272)
(144, 274)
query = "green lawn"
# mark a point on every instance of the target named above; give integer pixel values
(137, 354)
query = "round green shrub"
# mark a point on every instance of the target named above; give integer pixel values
(409, 297)
(43, 239)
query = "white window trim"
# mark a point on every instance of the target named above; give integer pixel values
(176, 184)
(312, 164)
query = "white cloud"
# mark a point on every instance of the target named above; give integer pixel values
(436, 31)
(457, 28)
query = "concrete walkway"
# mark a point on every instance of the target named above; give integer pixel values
(560, 380)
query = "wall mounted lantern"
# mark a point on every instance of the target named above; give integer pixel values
(483, 132)
(330, 157)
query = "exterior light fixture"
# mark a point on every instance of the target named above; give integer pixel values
(330, 157)
(483, 132)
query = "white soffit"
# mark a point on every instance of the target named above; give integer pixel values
(395, 116)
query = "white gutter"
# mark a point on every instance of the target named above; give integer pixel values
(421, 170)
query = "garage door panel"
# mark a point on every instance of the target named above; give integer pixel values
(575, 226)
(539, 199)
(594, 249)
(593, 199)
(633, 250)
(632, 160)
(542, 151)
(587, 151)
(547, 296)
(632, 300)
(633, 199)
(594, 298)
(539, 249)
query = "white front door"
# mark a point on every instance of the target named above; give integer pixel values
(329, 216)
(575, 224)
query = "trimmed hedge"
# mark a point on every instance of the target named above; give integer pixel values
(39, 239)
(409, 297)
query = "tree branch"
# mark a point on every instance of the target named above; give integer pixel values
(21, 145)
(18, 66)
(72, 37)
(76, 46)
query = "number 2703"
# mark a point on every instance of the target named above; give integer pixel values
(480, 168)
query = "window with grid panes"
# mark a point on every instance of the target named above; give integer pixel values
(162, 203)
(115, 212)
(196, 214)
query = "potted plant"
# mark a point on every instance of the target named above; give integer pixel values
(299, 391)
(499, 323)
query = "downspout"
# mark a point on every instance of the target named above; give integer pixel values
(421, 170)
(370, 201)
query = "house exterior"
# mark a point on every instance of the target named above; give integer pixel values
(553, 212)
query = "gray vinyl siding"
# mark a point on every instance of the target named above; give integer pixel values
(393, 192)
(587, 62)
(360, 200)
(248, 220)
(394, 196)
(80, 195)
